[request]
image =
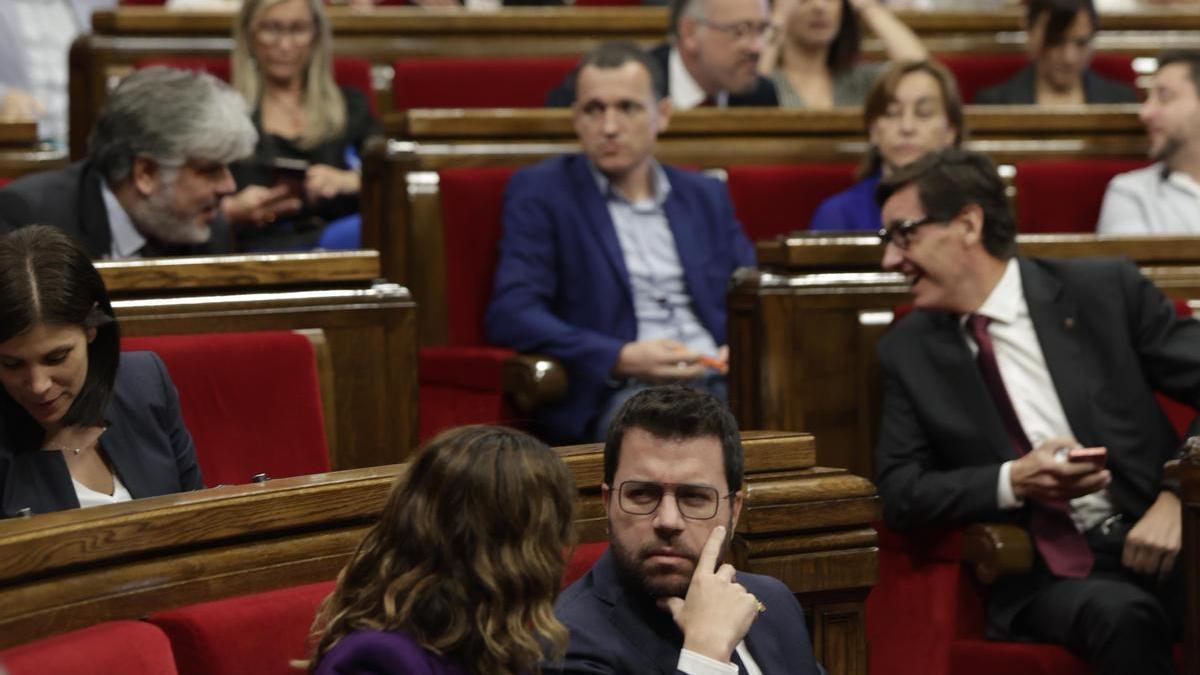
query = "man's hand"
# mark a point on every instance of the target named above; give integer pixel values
(257, 206)
(20, 105)
(1041, 476)
(1154, 541)
(659, 360)
(326, 182)
(717, 611)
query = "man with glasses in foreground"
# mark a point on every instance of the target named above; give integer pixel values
(656, 601)
(1022, 390)
(156, 170)
(711, 58)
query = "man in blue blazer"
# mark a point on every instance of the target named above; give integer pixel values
(657, 602)
(612, 263)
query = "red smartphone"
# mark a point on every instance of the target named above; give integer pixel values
(719, 366)
(1097, 456)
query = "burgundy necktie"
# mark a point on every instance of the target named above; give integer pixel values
(1062, 546)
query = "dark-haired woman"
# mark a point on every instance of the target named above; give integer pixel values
(813, 56)
(80, 424)
(460, 574)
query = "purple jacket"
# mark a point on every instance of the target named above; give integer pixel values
(373, 652)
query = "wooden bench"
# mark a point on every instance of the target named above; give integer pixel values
(806, 525)
(803, 329)
(21, 153)
(369, 325)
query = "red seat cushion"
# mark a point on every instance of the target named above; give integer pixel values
(252, 402)
(113, 648)
(348, 72)
(774, 200)
(478, 83)
(249, 635)
(582, 559)
(1041, 185)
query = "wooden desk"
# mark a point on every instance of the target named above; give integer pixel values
(802, 338)
(370, 327)
(21, 153)
(806, 525)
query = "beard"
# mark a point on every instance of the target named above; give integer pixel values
(156, 219)
(1168, 150)
(633, 571)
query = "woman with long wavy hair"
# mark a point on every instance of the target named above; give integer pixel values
(461, 572)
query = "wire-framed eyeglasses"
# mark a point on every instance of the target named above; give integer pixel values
(695, 502)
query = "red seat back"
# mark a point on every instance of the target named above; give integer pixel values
(774, 200)
(113, 648)
(348, 72)
(249, 635)
(582, 559)
(974, 72)
(510, 82)
(1041, 185)
(472, 209)
(252, 402)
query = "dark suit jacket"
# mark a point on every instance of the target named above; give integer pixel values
(763, 94)
(562, 288)
(70, 199)
(1021, 89)
(615, 631)
(1110, 340)
(147, 443)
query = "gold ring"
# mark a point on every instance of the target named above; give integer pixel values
(759, 606)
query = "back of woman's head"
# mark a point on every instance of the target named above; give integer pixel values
(468, 554)
(47, 278)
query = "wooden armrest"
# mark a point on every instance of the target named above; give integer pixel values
(994, 550)
(532, 381)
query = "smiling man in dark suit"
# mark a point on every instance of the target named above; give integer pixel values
(1008, 368)
(155, 175)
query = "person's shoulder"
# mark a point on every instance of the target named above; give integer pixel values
(135, 373)
(546, 179)
(1138, 180)
(373, 651)
(1101, 89)
(53, 182)
(1016, 90)
(686, 179)
(578, 603)
(907, 331)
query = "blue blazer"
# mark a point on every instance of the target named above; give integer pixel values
(851, 210)
(149, 446)
(617, 632)
(562, 288)
(369, 652)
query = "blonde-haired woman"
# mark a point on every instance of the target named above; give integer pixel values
(460, 573)
(304, 173)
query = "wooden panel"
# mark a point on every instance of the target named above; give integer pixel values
(802, 345)
(66, 570)
(240, 271)
(371, 334)
(18, 134)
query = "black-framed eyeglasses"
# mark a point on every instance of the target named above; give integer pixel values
(695, 502)
(900, 232)
(740, 30)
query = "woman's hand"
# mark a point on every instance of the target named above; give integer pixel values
(257, 206)
(326, 182)
(900, 42)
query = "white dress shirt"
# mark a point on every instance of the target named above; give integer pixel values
(1030, 388)
(127, 242)
(697, 664)
(685, 91)
(89, 497)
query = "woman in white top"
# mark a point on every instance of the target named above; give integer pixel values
(80, 423)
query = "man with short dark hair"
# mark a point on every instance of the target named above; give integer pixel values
(1023, 390)
(1060, 48)
(613, 263)
(156, 171)
(1163, 198)
(711, 58)
(657, 602)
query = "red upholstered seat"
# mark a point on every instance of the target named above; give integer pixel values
(251, 401)
(1041, 185)
(113, 648)
(774, 200)
(460, 381)
(980, 71)
(511, 82)
(582, 559)
(348, 72)
(248, 635)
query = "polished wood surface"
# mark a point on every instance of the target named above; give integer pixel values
(802, 346)
(1187, 471)
(265, 271)
(370, 329)
(19, 134)
(806, 525)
